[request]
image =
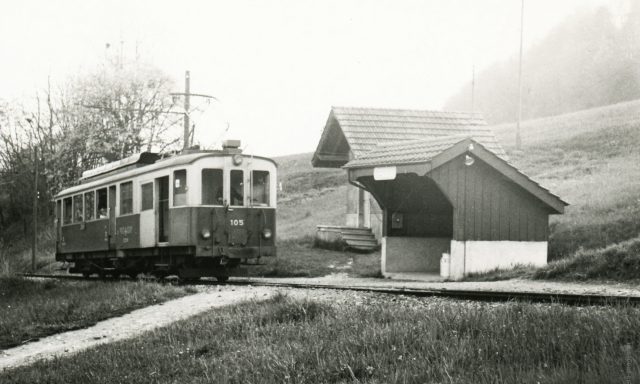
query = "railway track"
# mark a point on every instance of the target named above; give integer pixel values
(483, 295)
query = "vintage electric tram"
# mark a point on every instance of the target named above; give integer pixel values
(195, 214)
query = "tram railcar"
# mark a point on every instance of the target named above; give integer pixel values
(196, 214)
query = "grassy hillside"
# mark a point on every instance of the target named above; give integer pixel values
(309, 196)
(562, 127)
(590, 158)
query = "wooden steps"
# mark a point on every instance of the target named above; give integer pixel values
(357, 239)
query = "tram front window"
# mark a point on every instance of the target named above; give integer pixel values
(212, 187)
(236, 192)
(260, 188)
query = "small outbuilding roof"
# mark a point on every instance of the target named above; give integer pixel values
(351, 132)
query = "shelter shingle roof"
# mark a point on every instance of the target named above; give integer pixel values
(405, 152)
(364, 128)
(424, 151)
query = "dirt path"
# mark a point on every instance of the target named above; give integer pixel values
(130, 325)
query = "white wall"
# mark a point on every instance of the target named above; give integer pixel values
(482, 256)
(412, 254)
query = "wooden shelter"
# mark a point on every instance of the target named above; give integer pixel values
(442, 185)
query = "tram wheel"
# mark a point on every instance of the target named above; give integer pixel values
(222, 279)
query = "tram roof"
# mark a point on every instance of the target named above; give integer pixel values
(131, 167)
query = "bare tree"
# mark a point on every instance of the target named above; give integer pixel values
(96, 118)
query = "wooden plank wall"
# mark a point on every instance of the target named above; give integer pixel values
(487, 206)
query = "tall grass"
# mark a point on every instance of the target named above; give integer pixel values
(30, 309)
(368, 339)
(615, 262)
(15, 252)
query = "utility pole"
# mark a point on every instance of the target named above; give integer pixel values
(187, 94)
(34, 244)
(518, 138)
(187, 107)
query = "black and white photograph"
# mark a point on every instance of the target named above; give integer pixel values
(319, 191)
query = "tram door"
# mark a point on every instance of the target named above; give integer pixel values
(112, 217)
(162, 186)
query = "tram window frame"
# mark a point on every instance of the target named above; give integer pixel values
(67, 211)
(146, 196)
(217, 176)
(241, 197)
(89, 212)
(100, 215)
(78, 216)
(180, 187)
(126, 202)
(266, 195)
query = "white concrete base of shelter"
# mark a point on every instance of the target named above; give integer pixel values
(482, 256)
(412, 254)
(416, 255)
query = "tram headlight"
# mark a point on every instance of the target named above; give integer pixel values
(206, 234)
(266, 233)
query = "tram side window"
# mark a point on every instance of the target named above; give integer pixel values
(102, 203)
(180, 187)
(260, 188)
(212, 187)
(126, 198)
(58, 212)
(236, 187)
(146, 193)
(67, 211)
(88, 205)
(78, 214)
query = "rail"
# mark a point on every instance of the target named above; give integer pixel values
(474, 295)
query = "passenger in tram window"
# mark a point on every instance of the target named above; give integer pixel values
(79, 217)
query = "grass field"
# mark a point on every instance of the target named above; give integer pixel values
(367, 338)
(30, 309)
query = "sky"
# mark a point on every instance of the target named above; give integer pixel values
(277, 67)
